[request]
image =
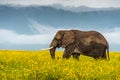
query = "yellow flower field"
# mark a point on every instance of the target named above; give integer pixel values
(38, 65)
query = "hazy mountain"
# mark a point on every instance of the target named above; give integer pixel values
(82, 8)
(14, 17)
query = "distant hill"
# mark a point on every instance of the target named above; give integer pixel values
(82, 8)
(19, 17)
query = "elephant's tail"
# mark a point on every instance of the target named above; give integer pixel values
(108, 53)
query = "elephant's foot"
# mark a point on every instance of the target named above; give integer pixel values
(76, 55)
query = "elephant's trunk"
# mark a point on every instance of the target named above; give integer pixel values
(52, 52)
(53, 48)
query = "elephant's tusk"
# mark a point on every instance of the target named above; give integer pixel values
(47, 48)
(50, 48)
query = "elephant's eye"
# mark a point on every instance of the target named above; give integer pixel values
(57, 39)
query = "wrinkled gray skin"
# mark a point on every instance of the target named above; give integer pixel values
(76, 42)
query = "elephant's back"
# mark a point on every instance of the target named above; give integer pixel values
(97, 37)
(88, 37)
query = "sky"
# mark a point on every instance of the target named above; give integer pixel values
(42, 34)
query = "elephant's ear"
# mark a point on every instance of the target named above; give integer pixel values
(68, 38)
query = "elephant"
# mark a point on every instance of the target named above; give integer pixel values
(76, 42)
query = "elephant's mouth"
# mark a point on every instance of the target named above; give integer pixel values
(59, 44)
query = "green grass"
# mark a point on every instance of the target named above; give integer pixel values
(38, 65)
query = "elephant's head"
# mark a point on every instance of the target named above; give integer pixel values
(62, 39)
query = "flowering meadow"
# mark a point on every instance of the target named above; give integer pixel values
(38, 65)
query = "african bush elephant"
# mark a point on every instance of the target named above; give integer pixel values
(76, 42)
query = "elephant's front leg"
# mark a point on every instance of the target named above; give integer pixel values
(68, 52)
(76, 55)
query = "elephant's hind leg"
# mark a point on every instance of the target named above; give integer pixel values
(104, 54)
(95, 54)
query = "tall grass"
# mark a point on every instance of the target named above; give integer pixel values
(38, 65)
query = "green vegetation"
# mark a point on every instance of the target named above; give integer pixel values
(38, 65)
